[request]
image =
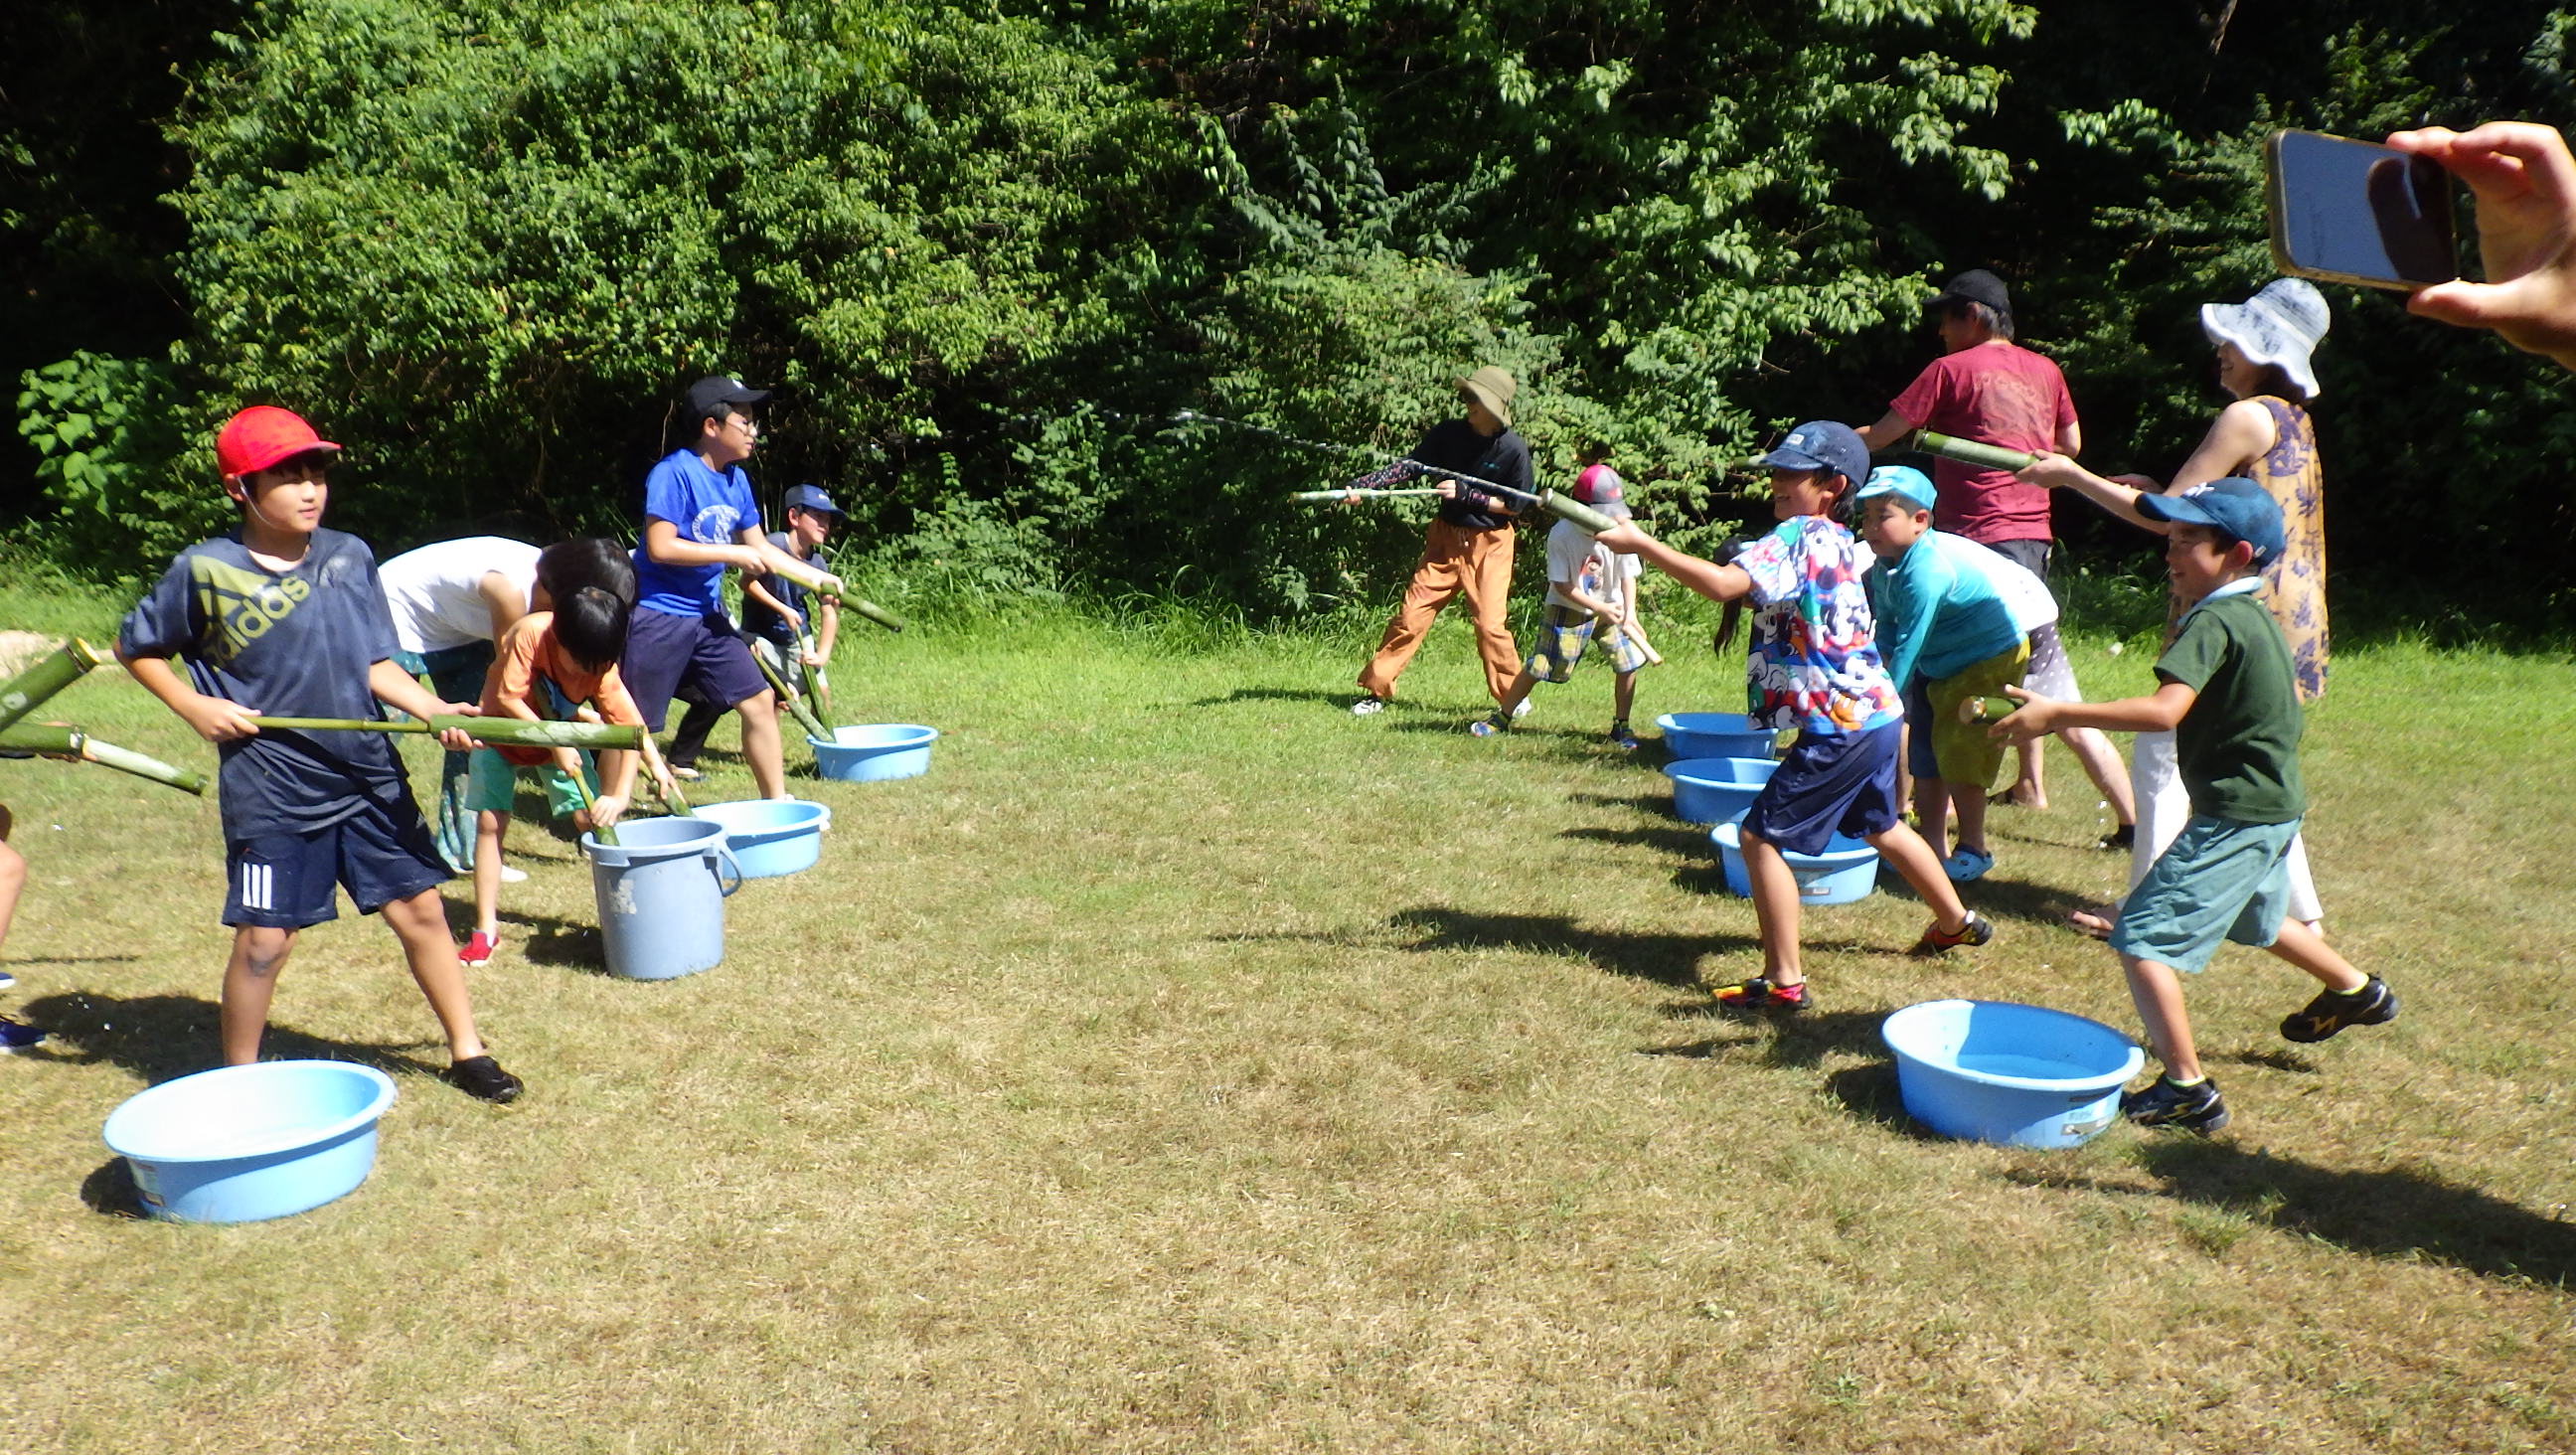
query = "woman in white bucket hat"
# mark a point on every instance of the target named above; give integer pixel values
(2265, 348)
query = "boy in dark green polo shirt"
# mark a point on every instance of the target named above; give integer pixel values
(2228, 694)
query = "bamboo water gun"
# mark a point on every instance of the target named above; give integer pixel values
(54, 740)
(1972, 452)
(47, 675)
(509, 732)
(823, 583)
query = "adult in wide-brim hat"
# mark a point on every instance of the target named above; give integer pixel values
(2266, 347)
(1467, 549)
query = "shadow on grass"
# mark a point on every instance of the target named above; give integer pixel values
(109, 1191)
(1682, 841)
(2402, 1212)
(1660, 805)
(1338, 697)
(162, 1037)
(547, 940)
(1666, 959)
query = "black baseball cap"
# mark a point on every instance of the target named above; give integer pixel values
(1975, 286)
(717, 390)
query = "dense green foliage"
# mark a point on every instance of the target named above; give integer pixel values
(992, 256)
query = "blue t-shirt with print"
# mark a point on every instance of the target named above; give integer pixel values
(708, 509)
(293, 643)
(1814, 663)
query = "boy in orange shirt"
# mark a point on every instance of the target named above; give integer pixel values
(560, 655)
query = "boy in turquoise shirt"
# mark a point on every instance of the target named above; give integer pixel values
(2229, 695)
(1948, 634)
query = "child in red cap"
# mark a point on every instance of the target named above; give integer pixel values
(282, 616)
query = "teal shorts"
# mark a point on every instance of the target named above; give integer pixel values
(2219, 880)
(492, 784)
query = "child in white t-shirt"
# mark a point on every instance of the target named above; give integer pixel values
(1590, 591)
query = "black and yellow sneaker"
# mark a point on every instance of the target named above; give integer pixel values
(2371, 1003)
(1760, 994)
(2196, 1108)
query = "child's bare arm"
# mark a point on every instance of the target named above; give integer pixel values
(212, 718)
(759, 591)
(662, 544)
(400, 690)
(1708, 578)
(2039, 716)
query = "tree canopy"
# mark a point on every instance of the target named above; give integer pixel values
(1002, 261)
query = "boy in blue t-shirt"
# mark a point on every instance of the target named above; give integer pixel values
(1948, 634)
(699, 517)
(1814, 666)
(280, 616)
(2229, 695)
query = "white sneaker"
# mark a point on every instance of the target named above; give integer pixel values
(1368, 707)
(1521, 709)
(513, 874)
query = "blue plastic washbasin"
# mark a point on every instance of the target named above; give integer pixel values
(768, 836)
(874, 752)
(2020, 1075)
(247, 1143)
(1847, 870)
(1713, 790)
(1715, 735)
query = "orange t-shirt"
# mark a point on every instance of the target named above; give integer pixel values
(527, 651)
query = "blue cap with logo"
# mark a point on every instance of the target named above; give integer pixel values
(2233, 506)
(1899, 480)
(1821, 444)
(811, 497)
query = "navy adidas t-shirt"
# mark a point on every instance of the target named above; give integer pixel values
(294, 643)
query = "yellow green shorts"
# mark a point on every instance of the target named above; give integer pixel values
(1963, 751)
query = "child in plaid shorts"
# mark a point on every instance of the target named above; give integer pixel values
(1591, 598)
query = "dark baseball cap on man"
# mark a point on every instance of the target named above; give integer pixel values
(715, 390)
(1975, 286)
(811, 498)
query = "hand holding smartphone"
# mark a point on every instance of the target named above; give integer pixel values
(2349, 211)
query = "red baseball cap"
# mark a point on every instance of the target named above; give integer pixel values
(261, 436)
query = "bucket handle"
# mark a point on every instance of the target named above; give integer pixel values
(724, 863)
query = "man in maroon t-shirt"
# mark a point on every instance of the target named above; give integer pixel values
(1985, 387)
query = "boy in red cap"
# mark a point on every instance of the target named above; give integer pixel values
(1591, 601)
(283, 616)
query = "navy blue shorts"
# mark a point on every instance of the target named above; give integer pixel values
(284, 881)
(1831, 783)
(696, 657)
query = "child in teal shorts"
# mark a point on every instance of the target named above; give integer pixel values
(2230, 696)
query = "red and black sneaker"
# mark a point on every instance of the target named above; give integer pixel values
(1977, 931)
(1761, 994)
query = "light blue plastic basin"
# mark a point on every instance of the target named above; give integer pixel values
(874, 752)
(1715, 735)
(2021, 1075)
(1713, 790)
(247, 1143)
(770, 837)
(1845, 871)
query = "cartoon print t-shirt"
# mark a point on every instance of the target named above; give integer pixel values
(1814, 662)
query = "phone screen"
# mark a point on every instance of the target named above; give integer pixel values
(2356, 212)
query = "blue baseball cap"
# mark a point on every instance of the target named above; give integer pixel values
(811, 497)
(1901, 480)
(2234, 506)
(1821, 444)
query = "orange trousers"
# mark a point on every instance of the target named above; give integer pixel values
(1454, 559)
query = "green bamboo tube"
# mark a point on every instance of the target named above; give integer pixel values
(1575, 510)
(581, 785)
(45, 676)
(512, 732)
(1970, 452)
(673, 799)
(804, 715)
(70, 742)
(815, 687)
(874, 613)
(1986, 709)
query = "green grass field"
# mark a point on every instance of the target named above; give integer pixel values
(1183, 1065)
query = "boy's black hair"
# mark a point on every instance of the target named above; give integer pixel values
(590, 623)
(567, 566)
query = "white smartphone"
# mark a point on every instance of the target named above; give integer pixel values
(2351, 211)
